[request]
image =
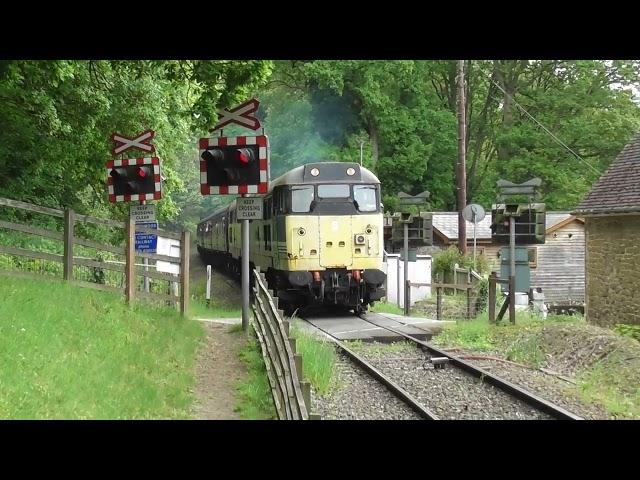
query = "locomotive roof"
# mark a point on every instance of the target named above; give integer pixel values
(329, 172)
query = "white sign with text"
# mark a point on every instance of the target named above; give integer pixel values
(249, 208)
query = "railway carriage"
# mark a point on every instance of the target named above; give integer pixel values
(320, 241)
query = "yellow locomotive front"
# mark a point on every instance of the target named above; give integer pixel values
(322, 242)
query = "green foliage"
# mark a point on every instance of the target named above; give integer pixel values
(73, 353)
(631, 331)
(445, 260)
(613, 383)
(386, 307)
(319, 359)
(405, 112)
(255, 400)
(57, 118)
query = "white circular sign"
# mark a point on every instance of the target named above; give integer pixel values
(473, 213)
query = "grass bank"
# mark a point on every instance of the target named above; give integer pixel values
(73, 353)
(605, 364)
(225, 299)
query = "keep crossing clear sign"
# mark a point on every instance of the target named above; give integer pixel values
(249, 208)
(143, 213)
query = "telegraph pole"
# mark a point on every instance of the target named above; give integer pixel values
(461, 172)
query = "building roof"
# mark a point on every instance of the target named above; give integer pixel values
(553, 218)
(447, 224)
(618, 189)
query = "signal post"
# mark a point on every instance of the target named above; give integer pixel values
(238, 166)
(136, 180)
(517, 221)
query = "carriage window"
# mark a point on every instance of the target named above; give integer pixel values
(267, 208)
(301, 198)
(365, 197)
(278, 201)
(333, 191)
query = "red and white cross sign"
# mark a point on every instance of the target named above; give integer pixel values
(240, 115)
(141, 142)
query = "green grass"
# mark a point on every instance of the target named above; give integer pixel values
(385, 307)
(519, 342)
(199, 309)
(615, 384)
(219, 307)
(74, 353)
(255, 401)
(612, 382)
(318, 360)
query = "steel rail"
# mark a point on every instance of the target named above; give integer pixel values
(393, 387)
(512, 389)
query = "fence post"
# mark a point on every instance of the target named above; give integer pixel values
(69, 220)
(208, 294)
(306, 395)
(492, 297)
(130, 279)
(439, 303)
(184, 273)
(468, 300)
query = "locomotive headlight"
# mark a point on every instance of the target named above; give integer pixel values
(301, 231)
(351, 171)
(315, 172)
(360, 239)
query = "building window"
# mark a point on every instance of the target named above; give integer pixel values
(533, 257)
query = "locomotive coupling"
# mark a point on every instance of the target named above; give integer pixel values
(300, 279)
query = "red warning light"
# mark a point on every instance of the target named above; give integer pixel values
(243, 156)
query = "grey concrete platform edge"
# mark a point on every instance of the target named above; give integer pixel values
(356, 328)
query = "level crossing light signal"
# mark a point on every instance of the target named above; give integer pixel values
(529, 223)
(132, 180)
(234, 165)
(135, 179)
(231, 165)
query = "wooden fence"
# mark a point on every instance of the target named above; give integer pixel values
(122, 261)
(291, 395)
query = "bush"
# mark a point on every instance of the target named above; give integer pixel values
(444, 262)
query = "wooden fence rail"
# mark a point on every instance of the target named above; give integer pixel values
(466, 287)
(291, 395)
(127, 267)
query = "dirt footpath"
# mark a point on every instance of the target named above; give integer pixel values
(218, 366)
(218, 372)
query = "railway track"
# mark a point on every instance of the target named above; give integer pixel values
(458, 390)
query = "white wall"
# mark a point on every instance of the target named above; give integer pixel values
(419, 271)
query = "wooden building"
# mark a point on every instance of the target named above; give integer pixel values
(557, 266)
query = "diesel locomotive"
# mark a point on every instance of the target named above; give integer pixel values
(320, 241)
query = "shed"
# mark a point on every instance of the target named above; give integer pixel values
(557, 266)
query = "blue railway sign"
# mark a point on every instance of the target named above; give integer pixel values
(146, 242)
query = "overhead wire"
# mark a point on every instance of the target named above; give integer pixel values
(560, 142)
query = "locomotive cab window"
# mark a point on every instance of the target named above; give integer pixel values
(333, 191)
(301, 198)
(365, 198)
